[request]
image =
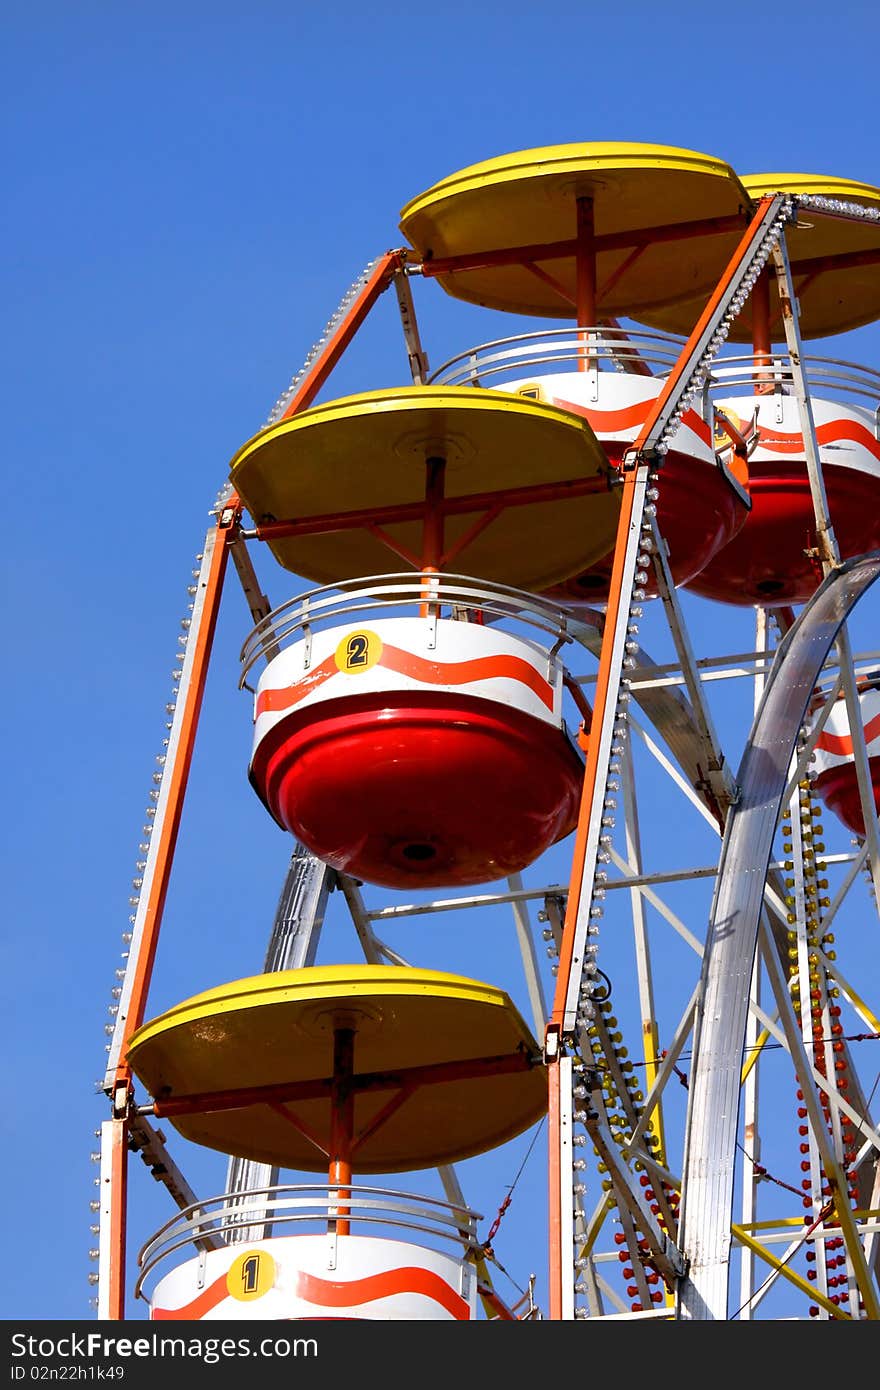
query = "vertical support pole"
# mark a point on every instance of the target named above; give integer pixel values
(432, 534)
(650, 1036)
(293, 944)
(828, 553)
(585, 271)
(418, 360)
(860, 756)
(761, 342)
(113, 1182)
(433, 528)
(751, 1132)
(717, 783)
(827, 547)
(561, 1283)
(373, 953)
(529, 957)
(836, 1179)
(341, 1125)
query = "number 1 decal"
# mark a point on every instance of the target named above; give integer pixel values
(250, 1276)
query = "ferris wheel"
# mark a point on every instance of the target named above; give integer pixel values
(576, 636)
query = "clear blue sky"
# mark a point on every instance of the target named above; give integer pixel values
(189, 190)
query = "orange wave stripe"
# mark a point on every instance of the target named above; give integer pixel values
(842, 744)
(419, 668)
(409, 1279)
(328, 1293)
(270, 701)
(478, 668)
(202, 1304)
(630, 417)
(829, 433)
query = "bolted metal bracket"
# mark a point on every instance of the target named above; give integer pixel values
(552, 1043)
(122, 1099)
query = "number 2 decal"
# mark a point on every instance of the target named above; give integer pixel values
(358, 652)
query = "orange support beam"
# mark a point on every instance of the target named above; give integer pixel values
(556, 1233)
(177, 774)
(616, 598)
(377, 282)
(114, 1188)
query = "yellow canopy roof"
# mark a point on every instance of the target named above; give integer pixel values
(369, 452)
(831, 298)
(529, 198)
(278, 1028)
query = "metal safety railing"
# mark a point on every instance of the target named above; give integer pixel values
(654, 354)
(399, 595)
(829, 378)
(615, 349)
(307, 1209)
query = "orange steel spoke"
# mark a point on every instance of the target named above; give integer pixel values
(550, 280)
(812, 265)
(804, 285)
(380, 278)
(298, 1125)
(603, 682)
(472, 532)
(384, 1114)
(673, 381)
(393, 545)
(498, 1306)
(621, 270)
(432, 1074)
(328, 522)
(634, 362)
(209, 1102)
(514, 255)
(555, 250)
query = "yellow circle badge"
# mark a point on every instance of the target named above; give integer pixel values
(722, 438)
(250, 1275)
(358, 652)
